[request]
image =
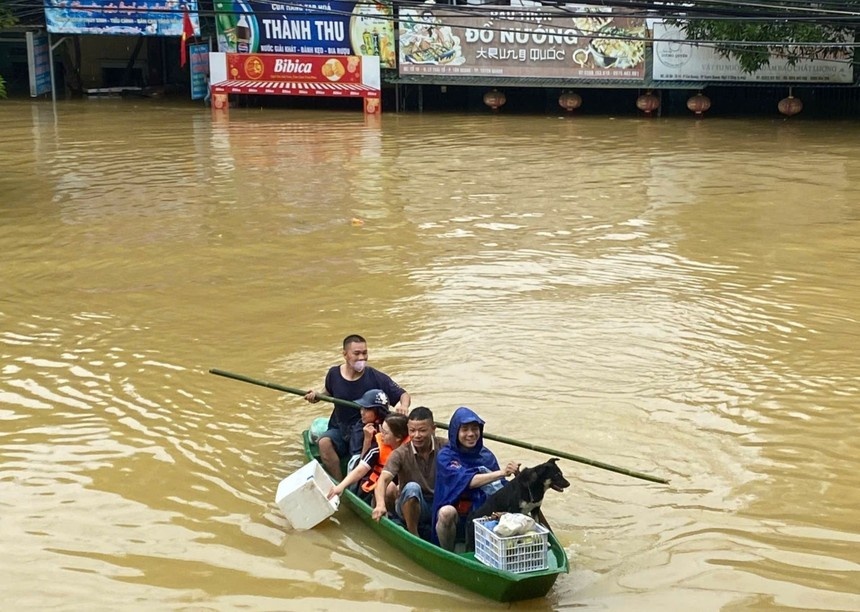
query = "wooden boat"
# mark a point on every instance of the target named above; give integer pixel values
(461, 568)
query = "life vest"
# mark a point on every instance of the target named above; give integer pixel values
(384, 451)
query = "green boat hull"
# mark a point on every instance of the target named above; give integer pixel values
(459, 568)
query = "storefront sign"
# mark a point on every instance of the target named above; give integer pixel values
(676, 60)
(535, 42)
(199, 54)
(140, 17)
(297, 75)
(38, 62)
(310, 28)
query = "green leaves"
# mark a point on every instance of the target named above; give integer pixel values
(754, 43)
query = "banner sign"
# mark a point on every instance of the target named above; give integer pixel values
(296, 75)
(139, 17)
(199, 55)
(38, 62)
(535, 42)
(337, 27)
(676, 60)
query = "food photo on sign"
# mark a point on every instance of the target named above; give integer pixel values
(527, 42)
(424, 39)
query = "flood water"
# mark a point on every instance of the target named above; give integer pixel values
(671, 296)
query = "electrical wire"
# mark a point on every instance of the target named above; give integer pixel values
(760, 13)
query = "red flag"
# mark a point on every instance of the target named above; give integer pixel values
(187, 32)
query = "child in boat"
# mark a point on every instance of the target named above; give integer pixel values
(374, 409)
(393, 433)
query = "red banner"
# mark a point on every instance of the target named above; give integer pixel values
(296, 75)
(294, 68)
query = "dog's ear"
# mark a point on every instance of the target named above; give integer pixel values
(553, 460)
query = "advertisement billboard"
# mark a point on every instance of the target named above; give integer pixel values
(309, 28)
(675, 59)
(138, 18)
(535, 42)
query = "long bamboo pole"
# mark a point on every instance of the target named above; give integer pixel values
(488, 436)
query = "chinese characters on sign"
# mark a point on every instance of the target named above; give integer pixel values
(526, 43)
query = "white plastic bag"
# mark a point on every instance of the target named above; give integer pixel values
(513, 523)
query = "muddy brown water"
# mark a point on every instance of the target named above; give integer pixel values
(671, 296)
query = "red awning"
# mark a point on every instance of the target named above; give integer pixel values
(289, 88)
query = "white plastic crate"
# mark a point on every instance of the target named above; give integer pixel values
(517, 554)
(301, 496)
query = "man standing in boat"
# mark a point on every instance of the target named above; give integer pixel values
(350, 381)
(414, 466)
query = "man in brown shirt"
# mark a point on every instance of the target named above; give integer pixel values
(414, 465)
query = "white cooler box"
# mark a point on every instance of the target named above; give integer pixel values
(301, 497)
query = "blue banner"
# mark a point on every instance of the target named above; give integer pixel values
(138, 17)
(199, 54)
(39, 63)
(337, 27)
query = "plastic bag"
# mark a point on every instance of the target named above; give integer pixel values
(318, 428)
(513, 523)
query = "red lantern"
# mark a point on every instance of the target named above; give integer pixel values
(699, 104)
(648, 103)
(495, 99)
(790, 106)
(569, 101)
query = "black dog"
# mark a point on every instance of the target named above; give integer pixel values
(523, 494)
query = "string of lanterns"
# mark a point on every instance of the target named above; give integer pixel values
(648, 102)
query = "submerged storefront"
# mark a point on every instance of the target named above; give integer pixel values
(430, 56)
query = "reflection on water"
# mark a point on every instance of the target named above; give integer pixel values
(675, 297)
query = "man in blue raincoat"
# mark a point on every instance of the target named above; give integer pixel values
(466, 474)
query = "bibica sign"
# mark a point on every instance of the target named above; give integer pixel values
(535, 42)
(291, 66)
(310, 68)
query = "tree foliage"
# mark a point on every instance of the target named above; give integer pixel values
(6, 19)
(773, 34)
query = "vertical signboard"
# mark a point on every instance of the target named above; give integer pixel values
(38, 62)
(199, 54)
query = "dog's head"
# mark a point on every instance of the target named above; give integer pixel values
(550, 475)
(545, 475)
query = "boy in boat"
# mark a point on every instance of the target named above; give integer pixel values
(349, 380)
(466, 474)
(414, 466)
(374, 409)
(365, 475)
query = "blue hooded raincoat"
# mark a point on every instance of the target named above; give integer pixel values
(455, 466)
